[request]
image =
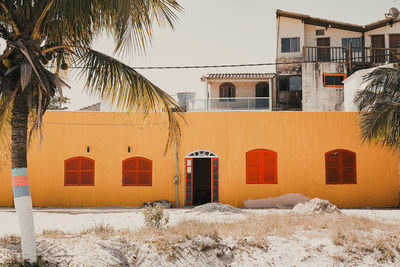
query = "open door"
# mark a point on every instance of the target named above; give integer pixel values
(189, 182)
(201, 178)
(215, 181)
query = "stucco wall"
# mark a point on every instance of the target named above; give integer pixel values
(300, 139)
(243, 88)
(387, 30)
(335, 35)
(287, 28)
(316, 97)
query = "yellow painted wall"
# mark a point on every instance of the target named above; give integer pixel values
(300, 139)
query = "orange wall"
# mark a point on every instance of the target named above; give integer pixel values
(300, 139)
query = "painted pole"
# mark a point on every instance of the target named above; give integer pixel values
(23, 207)
(176, 178)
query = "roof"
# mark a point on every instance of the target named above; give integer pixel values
(337, 24)
(95, 107)
(238, 76)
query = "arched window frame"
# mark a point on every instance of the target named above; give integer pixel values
(124, 171)
(341, 167)
(267, 162)
(230, 87)
(79, 171)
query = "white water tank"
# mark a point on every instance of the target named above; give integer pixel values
(183, 97)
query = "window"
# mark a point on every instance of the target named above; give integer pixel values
(340, 167)
(319, 32)
(261, 167)
(355, 42)
(136, 171)
(227, 90)
(290, 45)
(334, 79)
(290, 83)
(79, 171)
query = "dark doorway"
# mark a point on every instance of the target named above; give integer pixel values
(262, 90)
(378, 53)
(201, 181)
(324, 54)
(394, 43)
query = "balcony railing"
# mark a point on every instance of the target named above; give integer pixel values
(229, 103)
(350, 54)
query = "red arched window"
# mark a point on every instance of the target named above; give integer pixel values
(261, 167)
(340, 167)
(79, 171)
(136, 171)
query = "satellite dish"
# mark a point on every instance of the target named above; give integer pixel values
(394, 12)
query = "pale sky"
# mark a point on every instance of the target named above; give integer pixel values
(215, 32)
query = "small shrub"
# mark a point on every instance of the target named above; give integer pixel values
(156, 217)
(14, 261)
(8, 240)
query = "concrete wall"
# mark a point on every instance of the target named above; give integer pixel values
(316, 97)
(301, 140)
(351, 86)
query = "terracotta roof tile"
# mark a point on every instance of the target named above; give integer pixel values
(234, 76)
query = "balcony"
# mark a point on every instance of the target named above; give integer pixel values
(229, 103)
(350, 54)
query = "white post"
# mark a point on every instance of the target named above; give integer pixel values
(270, 94)
(23, 207)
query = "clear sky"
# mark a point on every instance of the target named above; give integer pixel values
(214, 32)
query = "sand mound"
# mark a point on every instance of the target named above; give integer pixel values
(285, 201)
(316, 205)
(216, 207)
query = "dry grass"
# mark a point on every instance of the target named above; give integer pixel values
(55, 234)
(341, 228)
(357, 237)
(9, 240)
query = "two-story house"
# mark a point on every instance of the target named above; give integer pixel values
(315, 55)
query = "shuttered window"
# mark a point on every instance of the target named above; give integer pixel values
(227, 90)
(136, 171)
(79, 171)
(340, 167)
(261, 167)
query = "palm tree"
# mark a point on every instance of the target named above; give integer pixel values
(379, 104)
(44, 37)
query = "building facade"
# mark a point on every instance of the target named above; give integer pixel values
(114, 159)
(235, 91)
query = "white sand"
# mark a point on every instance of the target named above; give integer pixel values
(301, 249)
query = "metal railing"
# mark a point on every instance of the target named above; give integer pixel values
(228, 103)
(350, 54)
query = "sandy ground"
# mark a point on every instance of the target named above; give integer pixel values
(76, 220)
(304, 248)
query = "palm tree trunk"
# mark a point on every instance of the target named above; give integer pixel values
(22, 196)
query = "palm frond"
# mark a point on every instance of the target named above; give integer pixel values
(5, 135)
(379, 105)
(127, 89)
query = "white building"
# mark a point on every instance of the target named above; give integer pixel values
(315, 55)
